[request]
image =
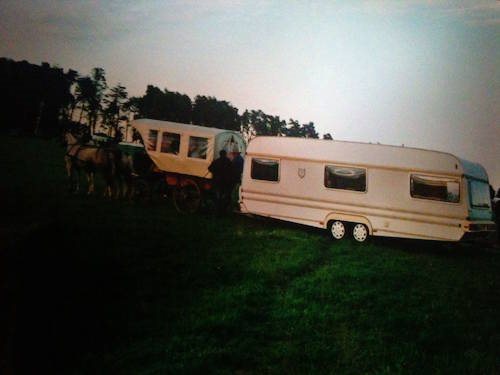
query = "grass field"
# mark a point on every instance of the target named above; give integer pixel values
(90, 286)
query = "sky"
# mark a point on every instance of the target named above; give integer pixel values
(420, 73)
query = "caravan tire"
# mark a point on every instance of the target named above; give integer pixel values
(360, 232)
(337, 229)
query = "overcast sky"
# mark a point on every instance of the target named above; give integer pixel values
(418, 73)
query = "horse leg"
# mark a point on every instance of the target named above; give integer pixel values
(125, 188)
(90, 179)
(70, 173)
(77, 179)
(118, 187)
(114, 185)
(122, 180)
(112, 188)
(107, 187)
(129, 186)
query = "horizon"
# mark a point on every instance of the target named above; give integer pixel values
(414, 73)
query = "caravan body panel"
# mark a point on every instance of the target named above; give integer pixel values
(393, 199)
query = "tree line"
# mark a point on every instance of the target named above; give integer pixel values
(42, 98)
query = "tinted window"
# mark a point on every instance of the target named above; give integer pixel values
(198, 147)
(435, 188)
(346, 178)
(264, 169)
(170, 143)
(152, 140)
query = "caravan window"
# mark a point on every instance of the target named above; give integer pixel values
(170, 143)
(435, 188)
(479, 194)
(345, 178)
(198, 147)
(152, 140)
(265, 169)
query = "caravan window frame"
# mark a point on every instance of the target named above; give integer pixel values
(470, 181)
(189, 137)
(147, 146)
(179, 146)
(420, 174)
(326, 165)
(266, 181)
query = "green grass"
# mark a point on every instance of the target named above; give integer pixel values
(91, 285)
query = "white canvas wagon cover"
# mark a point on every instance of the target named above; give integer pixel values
(185, 148)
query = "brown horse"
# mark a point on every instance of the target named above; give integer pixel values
(90, 159)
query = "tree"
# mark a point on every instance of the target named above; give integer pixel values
(259, 123)
(246, 126)
(89, 94)
(162, 105)
(327, 136)
(114, 110)
(296, 130)
(68, 109)
(83, 94)
(34, 96)
(309, 131)
(276, 126)
(99, 85)
(210, 112)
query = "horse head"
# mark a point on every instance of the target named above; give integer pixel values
(68, 139)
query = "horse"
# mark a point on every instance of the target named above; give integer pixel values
(125, 173)
(90, 159)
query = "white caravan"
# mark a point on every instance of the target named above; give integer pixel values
(364, 189)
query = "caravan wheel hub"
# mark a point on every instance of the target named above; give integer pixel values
(338, 230)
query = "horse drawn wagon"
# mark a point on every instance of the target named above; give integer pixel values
(175, 158)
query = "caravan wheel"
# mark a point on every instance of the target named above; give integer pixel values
(338, 230)
(360, 232)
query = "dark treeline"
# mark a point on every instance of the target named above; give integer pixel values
(34, 96)
(42, 99)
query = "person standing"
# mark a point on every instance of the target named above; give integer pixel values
(222, 172)
(237, 167)
(237, 172)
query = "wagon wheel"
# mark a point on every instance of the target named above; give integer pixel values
(187, 197)
(142, 189)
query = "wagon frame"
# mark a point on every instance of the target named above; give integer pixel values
(180, 176)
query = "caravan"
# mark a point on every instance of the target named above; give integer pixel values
(363, 190)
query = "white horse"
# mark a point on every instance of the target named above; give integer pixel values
(124, 175)
(90, 159)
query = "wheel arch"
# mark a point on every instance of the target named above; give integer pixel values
(349, 218)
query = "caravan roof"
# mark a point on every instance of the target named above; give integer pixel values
(365, 154)
(202, 131)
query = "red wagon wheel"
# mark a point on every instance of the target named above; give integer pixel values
(142, 189)
(187, 197)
